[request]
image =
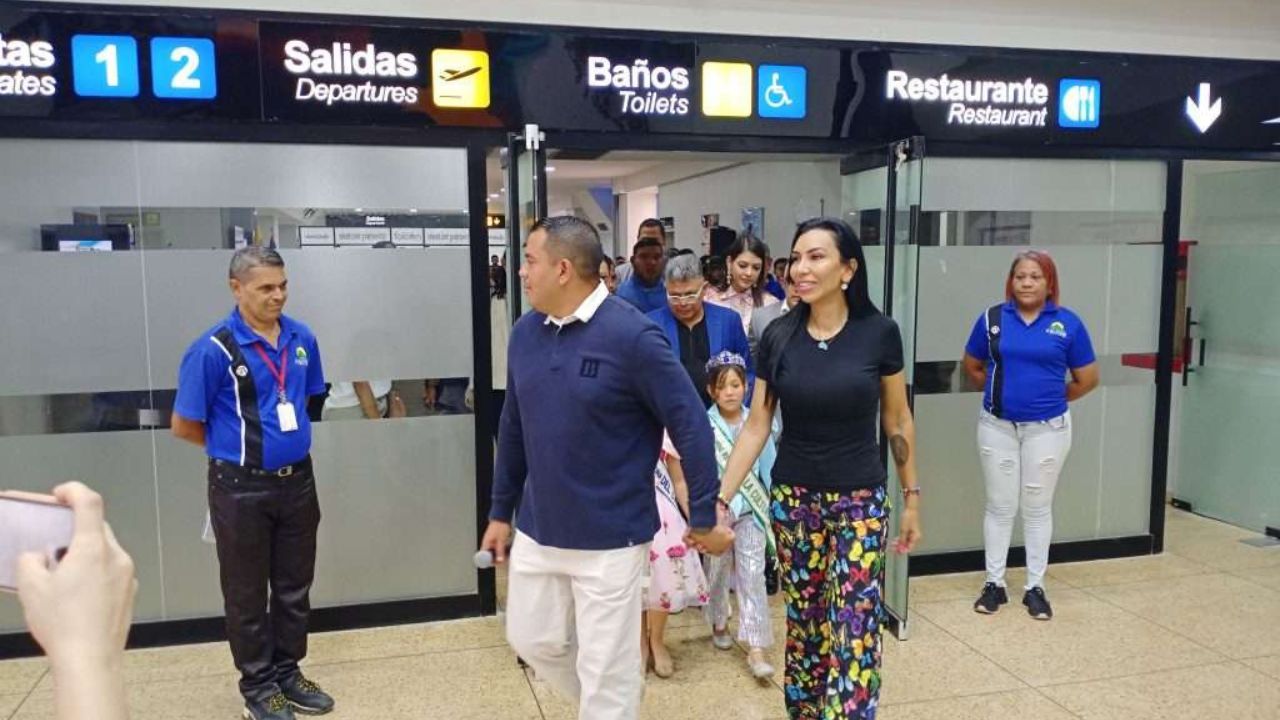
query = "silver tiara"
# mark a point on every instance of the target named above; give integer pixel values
(726, 358)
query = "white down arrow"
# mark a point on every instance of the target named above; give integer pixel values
(1202, 111)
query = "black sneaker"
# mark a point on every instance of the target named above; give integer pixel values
(992, 597)
(306, 696)
(1037, 604)
(275, 707)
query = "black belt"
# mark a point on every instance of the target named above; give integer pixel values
(303, 465)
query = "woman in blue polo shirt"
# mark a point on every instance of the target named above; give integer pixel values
(1021, 352)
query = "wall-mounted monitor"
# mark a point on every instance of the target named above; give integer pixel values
(85, 238)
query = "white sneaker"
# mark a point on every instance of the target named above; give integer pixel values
(722, 640)
(760, 668)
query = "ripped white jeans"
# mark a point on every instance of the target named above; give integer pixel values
(1021, 463)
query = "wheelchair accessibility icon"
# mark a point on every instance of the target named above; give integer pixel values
(775, 96)
(781, 91)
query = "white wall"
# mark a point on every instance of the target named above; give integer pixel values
(788, 191)
(1223, 28)
(634, 208)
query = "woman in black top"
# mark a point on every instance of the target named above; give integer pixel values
(833, 363)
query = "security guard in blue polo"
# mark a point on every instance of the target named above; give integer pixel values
(242, 396)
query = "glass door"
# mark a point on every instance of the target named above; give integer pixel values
(881, 194)
(525, 161)
(1231, 368)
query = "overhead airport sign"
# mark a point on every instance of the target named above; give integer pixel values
(238, 70)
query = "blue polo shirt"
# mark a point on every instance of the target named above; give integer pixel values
(224, 383)
(645, 298)
(1036, 358)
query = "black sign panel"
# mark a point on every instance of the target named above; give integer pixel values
(112, 66)
(321, 73)
(1023, 100)
(614, 84)
(121, 66)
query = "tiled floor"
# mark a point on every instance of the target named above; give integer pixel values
(1191, 633)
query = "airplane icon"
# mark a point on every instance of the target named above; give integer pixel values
(450, 75)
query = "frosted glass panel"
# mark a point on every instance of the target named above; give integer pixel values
(1125, 468)
(1104, 490)
(1229, 417)
(94, 339)
(1114, 289)
(309, 176)
(1234, 295)
(58, 177)
(1231, 203)
(119, 466)
(73, 322)
(399, 506)
(875, 273)
(864, 205)
(1229, 405)
(1133, 288)
(377, 313)
(1046, 185)
(1102, 223)
(865, 190)
(77, 181)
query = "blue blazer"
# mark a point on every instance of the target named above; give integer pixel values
(724, 330)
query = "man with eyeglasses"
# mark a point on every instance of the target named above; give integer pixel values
(698, 330)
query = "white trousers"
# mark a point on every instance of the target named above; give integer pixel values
(574, 617)
(1021, 463)
(744, 564)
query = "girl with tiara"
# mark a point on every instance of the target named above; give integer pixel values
(747, 514)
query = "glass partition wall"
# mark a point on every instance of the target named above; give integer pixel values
(115, 258)
(1101, 221)
(1231, 383)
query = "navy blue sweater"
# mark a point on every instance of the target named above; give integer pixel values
(582, 429)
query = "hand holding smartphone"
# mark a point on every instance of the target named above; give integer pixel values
(31, 523)
(78, 608)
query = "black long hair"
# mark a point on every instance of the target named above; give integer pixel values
(747, 242)
(857, 295)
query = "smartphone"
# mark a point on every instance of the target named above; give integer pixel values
(31, 524)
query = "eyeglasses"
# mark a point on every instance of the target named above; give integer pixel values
(687, 298)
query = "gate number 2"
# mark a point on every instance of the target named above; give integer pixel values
(183, 68)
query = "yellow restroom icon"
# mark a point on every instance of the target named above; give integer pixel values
(726, 89)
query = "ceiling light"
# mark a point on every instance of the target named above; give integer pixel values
(551, 168)
(413, 211)
(359, 209)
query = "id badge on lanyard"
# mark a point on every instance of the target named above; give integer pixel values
(285, 412)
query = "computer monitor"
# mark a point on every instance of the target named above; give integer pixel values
(85, 238)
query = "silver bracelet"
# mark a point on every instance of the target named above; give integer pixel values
(911, 491)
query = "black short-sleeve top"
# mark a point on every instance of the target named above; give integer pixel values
(830, 400)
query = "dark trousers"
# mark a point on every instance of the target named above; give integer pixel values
(266, 531)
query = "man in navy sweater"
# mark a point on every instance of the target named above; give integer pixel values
(591, 385)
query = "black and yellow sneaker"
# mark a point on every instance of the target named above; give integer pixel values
(306, 696)
(992, 597)
(1037, 604)
(275, 707)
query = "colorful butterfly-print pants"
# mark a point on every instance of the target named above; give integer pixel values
(831, 548)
